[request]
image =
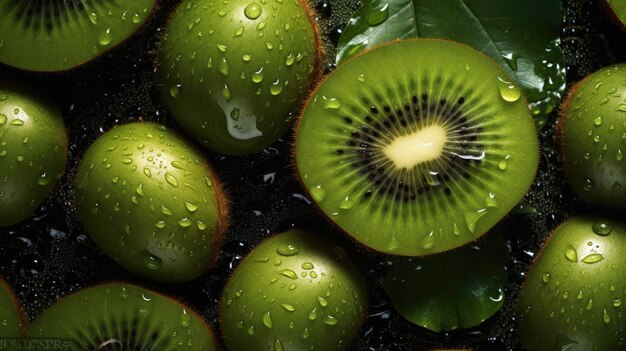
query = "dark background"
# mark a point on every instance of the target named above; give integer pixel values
(50, 255)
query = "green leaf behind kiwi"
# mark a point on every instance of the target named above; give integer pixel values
(521, 36)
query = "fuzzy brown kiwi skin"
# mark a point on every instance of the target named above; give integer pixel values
(23, 317)
(83, 66)
(294, 165)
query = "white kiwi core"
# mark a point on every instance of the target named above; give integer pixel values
(410, 150)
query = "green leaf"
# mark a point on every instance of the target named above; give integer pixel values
(456, 289)
(522, 36)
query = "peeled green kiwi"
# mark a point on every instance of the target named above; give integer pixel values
(295, 291)
(33, 151)
(11, 316)
(149, 199)
(123, 317)
(573, 296)
(234, 73)
(416, 147)
(58, 35)
(593, 137)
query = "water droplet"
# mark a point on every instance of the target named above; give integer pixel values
(185, 318)
(306, 333)
(377, 16)
(322, 301)
(588, 185)
(509, 91)
(223, 66)
(621, 108)
(592, 258)
(546, 277)
(601, 228)
(346, 204)
(257, 76)
(173, 181)
(331, 103)
(105, 37)
(152, 262)
(160, 224)
(617, 302)
(318, 193)
(620, 155)
(307, 265)
(313, 314)
(276, 88)
(136, 18)
(201, 225)
(605, 317)
(598, 121)
(185, 222)
(191, 207)
(589, 305)
(253, 11)
(288, 307)
(246, 57)
(290, 59)
(175, 91)
(330, 320)
(472, 217)
(288, 249)
(571, 254)
(226, 93)
(503, 164)
(267, 320)
(278, 346)
(289, 273)
(93, 18)
(3, 119)
(251, 330)
(17, 122)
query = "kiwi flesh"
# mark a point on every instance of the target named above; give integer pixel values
(123, 317)
(58, 35)
(11, 316)
(573, 295)
(295, 291)
(592, 131)
(418, 155)
(149, 199)
(618, 8)
(33, 151)
(233, 73)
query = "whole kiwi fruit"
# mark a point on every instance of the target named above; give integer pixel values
(11, 315)
(592, 131)
(573, 295)
(118, 316)
(58, 35)
(150, 200)
(295, 291)
(418, 155)
(233, 73)
(33, 151)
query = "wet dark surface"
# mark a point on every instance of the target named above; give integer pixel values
(50, 255)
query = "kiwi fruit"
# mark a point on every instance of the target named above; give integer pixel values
(618, 9)
(150, 200)
(58, 35)
(33, 151)
(453, 290)
(233, 73)
(418, 155)
(295, 291)
(119, 316)
(11, 316)
(573, 295)
(592, 133)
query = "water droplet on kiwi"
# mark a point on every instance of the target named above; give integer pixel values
(621, 108)
(185, 222)
(318, 193)
(601, 228)
(289, 273)
(223, 66)
(617, 302)
(331, 103)
(288, 249)
(172, 180)
(105, 37)
(253, 11)
(136, 18)
(346, 203)
(288, 307)
(151, 261)
(361, 78)
(313, 314)
(504, 163)
(93, 17)
(620, 155)
(546, 277)
(306, 333)
(377, 16)
(175, 91)
(3, 119)
(605, 317)
(257, 76)
(251, 330)
(592, 258)
(472, 217)
(246, 57)
(588, 184)
(276, 88)
(267, 320)
(570, 253)
(307, 266)
(598, 121)
(191, 207)
(508, 91)
(43, 180)
(226, 93)
(17, 122)
(278, 346)
(330, 320)
(160, 224)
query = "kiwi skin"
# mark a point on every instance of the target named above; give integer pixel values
(621, 21)
(574, 289)
(237, 93)
(591, 132)
(126, 311)
(531, 158)
(12, 316)
(295, 291)
(145, 168)
(64, 67)
(33, 151)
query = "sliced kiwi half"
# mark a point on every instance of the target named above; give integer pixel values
(58, 35)
(417, 147)
(123, 317)
(11, 316)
